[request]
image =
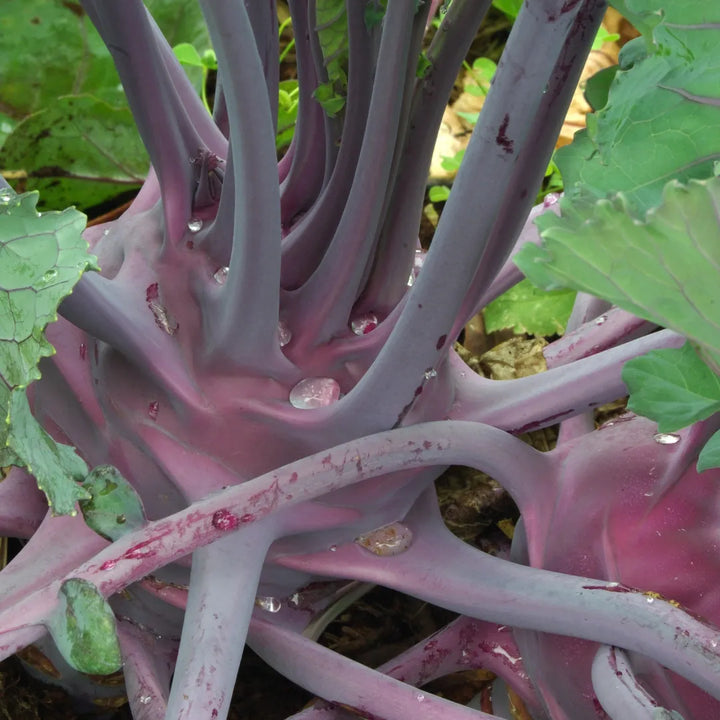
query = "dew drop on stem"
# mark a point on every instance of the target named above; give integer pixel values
(313, 393)
(221, 275)
(194, 225)
(391, 539)
(268, 603)
(363, 324)
(284, 333)
(666, 438)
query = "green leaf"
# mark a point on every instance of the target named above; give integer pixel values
(510, 7)
(527, 309)
(673, 387)
(187, 54)
(114, 508)
(57, 468)
(663, 269)
(709, 456)
(331, 102)
(41, 259)
(597, 88)
(662, 118)
(438, 193)
(79, 150)
(451, 164)
(83, 628)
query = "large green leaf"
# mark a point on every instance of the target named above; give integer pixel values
(664, 269)
(42, 256)
(83, 628)
(662, 119)
(79, 150)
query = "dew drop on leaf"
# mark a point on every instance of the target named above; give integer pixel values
(430, 374)
(269, 604)
(666, 438)
(312, 393)
(194, 225)
(145, 699)
(363, 324)
(390, 539)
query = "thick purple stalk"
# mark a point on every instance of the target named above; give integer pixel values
(504, 136)
(251, 289)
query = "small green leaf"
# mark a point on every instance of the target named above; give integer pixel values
(673, 387)
(597, 87)
(510, 7)
(471, 117)
(83, 628)
(187, 54)
(423, 65)
(114, 508)
(438, 193)
(331, 102)
(709, 456)
(527, 309)
(451, 164)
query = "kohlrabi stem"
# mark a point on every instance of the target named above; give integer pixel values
(223, 584)
(304, 180)
(328, 296)
(308, 240)
(161, 542)
(478, 225)
(241, 316)
(476, 584)
(533, 402)
(396, 250)
(342, 680)
(166, 129)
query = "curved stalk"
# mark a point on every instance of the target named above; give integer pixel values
(161, 542)
(242, 315)
(167, 132)
(619, 692)
(441, 569)
(339, 679)
(534, 402)
(396, 249)
(328, 296)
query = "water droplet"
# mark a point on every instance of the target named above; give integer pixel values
(221, 275)
(600, 320)
(430, 374)
(6, 195)
(106, 232)
(420, 697)
(713, 643)
(333, 548)
(613, 584)
(312, 393)
(269, 604)
(83, 351)
(551, 199)
(390, 539)
(666, 438)
(417, 266)
(153, 410)
(194, 225)
(50, 275)
(648, 494)
(145, 699)
(284, 333)
(363, 324)
(650, 600)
